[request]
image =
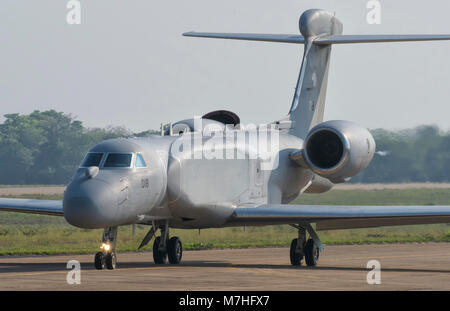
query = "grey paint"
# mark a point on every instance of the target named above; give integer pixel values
(282, 214)
(46, 207)
(220, 192)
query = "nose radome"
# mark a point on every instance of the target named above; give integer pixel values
(90, 203)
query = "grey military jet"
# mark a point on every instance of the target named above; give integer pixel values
(210, 172)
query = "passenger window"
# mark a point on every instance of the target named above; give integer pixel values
(92, 159)
(118, 160)
(140, 161)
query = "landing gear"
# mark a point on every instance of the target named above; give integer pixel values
(175, 250)
(99, 261)
(159, 253)
(107, 257)
(164, 248)
(297, 247)
(300, 248)
(311, 253)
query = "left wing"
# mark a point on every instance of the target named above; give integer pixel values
(46, 207)
(329, 217)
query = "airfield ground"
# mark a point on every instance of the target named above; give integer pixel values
(404, 266)
(412, 266)
(58, 190)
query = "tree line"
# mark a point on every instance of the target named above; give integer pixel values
(47, 147)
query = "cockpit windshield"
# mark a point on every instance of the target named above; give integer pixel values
(92, 159)
(118, 160)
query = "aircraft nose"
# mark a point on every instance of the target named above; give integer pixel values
(90, 203)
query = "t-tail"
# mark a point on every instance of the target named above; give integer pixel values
(319, 30)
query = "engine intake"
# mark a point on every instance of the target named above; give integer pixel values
(338, 150)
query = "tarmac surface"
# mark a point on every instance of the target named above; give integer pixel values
(412, 266)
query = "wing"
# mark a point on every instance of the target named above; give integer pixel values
(248, 36)
(46, 207)
(329, 217)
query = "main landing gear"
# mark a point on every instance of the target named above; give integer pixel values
(302, 248)
(107, 258)
(163, 247)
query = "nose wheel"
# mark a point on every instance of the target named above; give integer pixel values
(99, 261)
(107, 258)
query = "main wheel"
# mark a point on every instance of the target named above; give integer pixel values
(99, 261)
(296, 258)
(175, 250)
(159, 257)
(311, 253)
(111, 260)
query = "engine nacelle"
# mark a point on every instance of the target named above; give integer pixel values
(338, 150)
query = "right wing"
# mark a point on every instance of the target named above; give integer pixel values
(45, 207)
(329, 217)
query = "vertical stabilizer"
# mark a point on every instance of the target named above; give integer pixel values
(309, 99)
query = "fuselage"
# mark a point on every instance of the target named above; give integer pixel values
(140, 180)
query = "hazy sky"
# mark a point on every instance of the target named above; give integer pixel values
(127, 63)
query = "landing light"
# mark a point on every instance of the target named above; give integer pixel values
(106, 247)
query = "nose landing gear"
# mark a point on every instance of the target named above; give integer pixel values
(107, 258)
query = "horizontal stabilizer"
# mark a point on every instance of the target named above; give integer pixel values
(343, 39)
(248, 36)
(320, 40)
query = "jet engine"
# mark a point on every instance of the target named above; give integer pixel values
(338, 150)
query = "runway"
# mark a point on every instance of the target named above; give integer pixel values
(414, 266)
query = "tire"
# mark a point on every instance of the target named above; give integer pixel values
(99, 261)
(175, 250)
(158, 257)
(111, 261)
(311, 253)
(296, 258)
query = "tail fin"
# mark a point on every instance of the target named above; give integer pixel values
(320, 29)
(309, 98)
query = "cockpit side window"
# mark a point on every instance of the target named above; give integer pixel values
(92, 159)
(118, 160)
(140, 161)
